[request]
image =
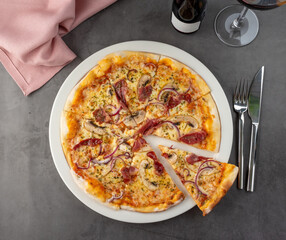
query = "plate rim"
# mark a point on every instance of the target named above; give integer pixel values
(85, 66)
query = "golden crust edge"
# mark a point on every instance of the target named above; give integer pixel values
(94, 70)
(222, 189)
(199, 80)
(216, 126)
(158, 208)
(83, 185)
(63, 132)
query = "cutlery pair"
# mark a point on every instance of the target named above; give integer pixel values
(248, 99)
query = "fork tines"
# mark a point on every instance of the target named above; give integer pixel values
(241, 91)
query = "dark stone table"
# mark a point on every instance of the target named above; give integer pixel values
(36, 204)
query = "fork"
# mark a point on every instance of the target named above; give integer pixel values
(240, 106)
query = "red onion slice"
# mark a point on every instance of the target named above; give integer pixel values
(100, 150)
(196, 186)
(112, 164)
(111, 154)
(161, 104)
(188, 171)
(166, 90)
(114, 197)
(151, 64)
(84, 168)
(197, 176)
(206, 161)
(126, 155)
(101, 162)
(178, 130)
(116, 112)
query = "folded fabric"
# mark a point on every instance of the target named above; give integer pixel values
(31, 47)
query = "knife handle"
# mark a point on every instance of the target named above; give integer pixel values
(240, 179)
(252, 158)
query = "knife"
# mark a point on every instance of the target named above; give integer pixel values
(254, 108)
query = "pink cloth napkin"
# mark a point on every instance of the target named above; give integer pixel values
(31, 47)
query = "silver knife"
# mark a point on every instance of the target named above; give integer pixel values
(254, 108)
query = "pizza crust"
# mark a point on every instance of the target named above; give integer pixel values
(229, 177)
(177, 65)
(156, 208)
(215, 128)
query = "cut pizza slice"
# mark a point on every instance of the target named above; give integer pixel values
(148, 188)
(131, 74)
(175, 82)
(95, 100)
(96, 161)
(196, 123)
(82, 141)
(207, 180)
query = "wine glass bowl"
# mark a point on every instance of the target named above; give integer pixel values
(262, 4)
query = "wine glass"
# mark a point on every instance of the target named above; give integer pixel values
(237, 25)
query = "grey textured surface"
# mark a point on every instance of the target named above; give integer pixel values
(36, 204)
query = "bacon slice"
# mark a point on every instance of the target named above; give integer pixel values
(121, 90)
(101, 116)
(150, 126)
(138, 144)
(144, 93)
(194, 137)
(173, 101)
(152, 155)
(125, 174)
(193, 158)
(187, 97)
(159, 168)
(88, 142)
(128, 173)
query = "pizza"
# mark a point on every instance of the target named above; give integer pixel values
(206, 179)
(126, 96)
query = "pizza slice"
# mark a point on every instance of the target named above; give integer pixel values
(96, 160)
(149, 188)
(95, 100)
(196, 123)
(131, 74)
(175, 82)
(207, 180)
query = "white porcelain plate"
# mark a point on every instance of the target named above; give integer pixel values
(77, 74)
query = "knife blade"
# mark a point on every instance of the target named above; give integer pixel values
(254, 109)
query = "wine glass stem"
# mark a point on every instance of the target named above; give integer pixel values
(238, 21)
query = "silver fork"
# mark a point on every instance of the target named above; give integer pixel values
(240, 106)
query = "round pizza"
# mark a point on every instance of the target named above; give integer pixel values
(126, 96)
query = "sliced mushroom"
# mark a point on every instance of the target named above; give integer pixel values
(139, 116)
(92, 127)
(150, 185)
(129, 121)
(144, 80)
(172, 158)
(185, 118)
(125, 147)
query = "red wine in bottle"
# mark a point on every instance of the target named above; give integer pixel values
(187, 15)
(262, 4)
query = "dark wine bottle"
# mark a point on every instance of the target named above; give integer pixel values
(187, 15)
